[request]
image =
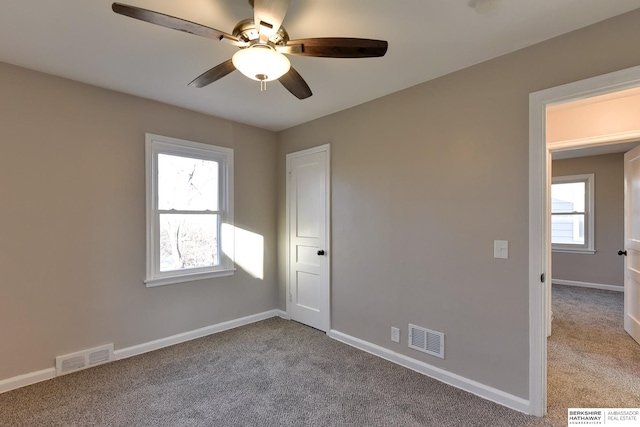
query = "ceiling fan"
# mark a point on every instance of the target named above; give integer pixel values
(262, 42)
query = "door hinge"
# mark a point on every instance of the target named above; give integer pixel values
(542, 278)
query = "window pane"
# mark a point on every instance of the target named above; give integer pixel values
(567, 229)
(187, 184)
(188, 241)
(568, 197)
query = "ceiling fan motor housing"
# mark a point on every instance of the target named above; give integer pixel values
(247, 31)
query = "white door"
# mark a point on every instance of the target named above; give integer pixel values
(632, 243)
(308, 237)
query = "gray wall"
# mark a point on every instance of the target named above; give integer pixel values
(72, 223)
(605, 266)
(424, 180)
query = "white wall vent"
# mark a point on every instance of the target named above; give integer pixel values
(84, 359)
(426, 340)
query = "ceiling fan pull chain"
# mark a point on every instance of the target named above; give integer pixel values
(263, 85)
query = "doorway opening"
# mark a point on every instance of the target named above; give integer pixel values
(540, 154)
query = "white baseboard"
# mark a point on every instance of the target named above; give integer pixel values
(135, 350)
(27, 379)
(49, 373)
(588, 285)
(283, 315)
(481, 390)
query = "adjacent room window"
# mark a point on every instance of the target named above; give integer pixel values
(572, 213)
(189, 210)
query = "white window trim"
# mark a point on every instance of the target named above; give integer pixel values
(589, 245)
(158, 144)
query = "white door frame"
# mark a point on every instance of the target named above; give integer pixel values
(319, 149)
(539, 155)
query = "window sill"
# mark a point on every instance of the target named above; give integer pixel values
(574, 251)
(172, 280)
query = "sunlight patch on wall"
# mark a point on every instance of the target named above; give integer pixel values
(246, 248)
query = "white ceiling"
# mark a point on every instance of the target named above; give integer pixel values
(610, 109)
(85, 41)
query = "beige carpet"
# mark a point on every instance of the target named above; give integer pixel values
(592, 361)
(280, 373)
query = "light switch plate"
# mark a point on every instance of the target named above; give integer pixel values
(501, 249)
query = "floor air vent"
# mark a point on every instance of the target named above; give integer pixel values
(427, 341)
(84, 359)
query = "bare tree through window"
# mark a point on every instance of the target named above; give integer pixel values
(188, 206)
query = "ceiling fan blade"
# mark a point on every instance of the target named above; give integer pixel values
(216, 73)
(295, 84)
(172, 22)
(336, 47)
(268, 16)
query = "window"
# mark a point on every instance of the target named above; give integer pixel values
(189, 210)
(572, 213)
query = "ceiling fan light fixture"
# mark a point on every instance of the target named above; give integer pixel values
(261, 63)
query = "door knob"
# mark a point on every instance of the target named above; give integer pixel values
(622, 253)
(321, 252)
